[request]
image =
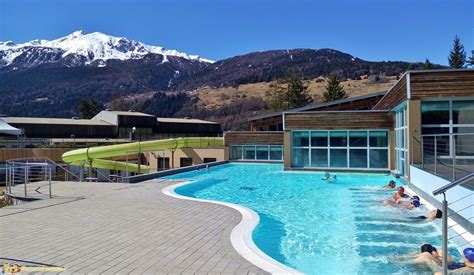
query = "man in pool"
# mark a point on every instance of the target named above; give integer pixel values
(467, 267)
(428, 255)
(433, 215)
(391, 185)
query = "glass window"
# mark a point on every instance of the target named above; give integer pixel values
(338, 138)
(262, 152)
(358, 139)
(378, 138)
(463, 112)
(434, 130)
(207, 160)
(338, 157)
(300, 138)
(236, 152)
(300, 157)
(319, 139)
(358, 158)
(183, 162)
(276, 152)
(249, 152)
(435, 112)
(319, 157)
(378, 158)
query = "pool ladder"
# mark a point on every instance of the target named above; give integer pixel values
(467, 204)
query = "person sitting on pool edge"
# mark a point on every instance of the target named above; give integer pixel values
(433, 215)
(467, 267)
(391, 185)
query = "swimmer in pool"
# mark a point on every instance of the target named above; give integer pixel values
(327, 176)
(391, 185)
(429, 256)
(467, 267)
(433, 215)
(396, 198)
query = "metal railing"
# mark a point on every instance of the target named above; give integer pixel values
(468, 205)
(450, 156)
(18, 178)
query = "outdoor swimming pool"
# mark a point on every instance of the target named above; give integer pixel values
(318, 227)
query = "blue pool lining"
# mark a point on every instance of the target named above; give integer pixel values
(241, 235)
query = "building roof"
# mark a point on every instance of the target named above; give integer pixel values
(184, 120)
(126, 113)
(318, 105)
(62, 121)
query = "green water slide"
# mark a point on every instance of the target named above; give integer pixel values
(99, 156)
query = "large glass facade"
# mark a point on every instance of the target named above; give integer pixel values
(448, 117)
(256, 152)
(340, 149)
(401, 140)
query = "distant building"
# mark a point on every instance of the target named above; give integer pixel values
(106, 126)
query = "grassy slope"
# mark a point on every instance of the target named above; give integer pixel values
(216, 97)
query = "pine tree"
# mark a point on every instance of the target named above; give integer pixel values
(427, 65)
(471, 59)
(288, 92)
(276, 96)
(88, 108)
(297, 91)
(457, 56)
(334, 89)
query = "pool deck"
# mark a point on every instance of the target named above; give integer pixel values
(121, 228)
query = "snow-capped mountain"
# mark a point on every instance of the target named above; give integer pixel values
(79, 49)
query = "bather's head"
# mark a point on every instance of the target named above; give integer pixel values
(429, 248)
(435, 214)
(392, 184)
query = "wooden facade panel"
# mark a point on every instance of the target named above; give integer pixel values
(396, 95)
(339, 120)
(266, 122)
(253, 138)
(442, 84)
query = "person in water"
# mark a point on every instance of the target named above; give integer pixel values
(396, 198)
(391, 185)
(467, 267)
(433, 215)
(327, 177)
(428, 255)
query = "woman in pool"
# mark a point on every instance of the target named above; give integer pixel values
(391, 185)
(467, 267)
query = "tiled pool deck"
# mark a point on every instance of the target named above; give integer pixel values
(121, 228)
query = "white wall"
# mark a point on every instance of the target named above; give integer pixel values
(429, 182)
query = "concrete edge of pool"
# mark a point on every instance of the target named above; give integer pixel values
(241, 235)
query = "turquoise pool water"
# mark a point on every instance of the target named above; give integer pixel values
(318, 227)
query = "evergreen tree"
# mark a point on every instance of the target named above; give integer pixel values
(88, 108)
(427, 65)
(471, 59)
(276, 96)
(457, 56)
(334, 89)
(297, 91)
(410, 67)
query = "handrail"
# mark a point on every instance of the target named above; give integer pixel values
(447, 135)
(452, 184)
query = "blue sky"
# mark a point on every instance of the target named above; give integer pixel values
(408, 30)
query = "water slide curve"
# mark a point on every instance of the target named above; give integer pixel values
(101, 157)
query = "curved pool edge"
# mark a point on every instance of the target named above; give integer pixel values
(241, 235)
